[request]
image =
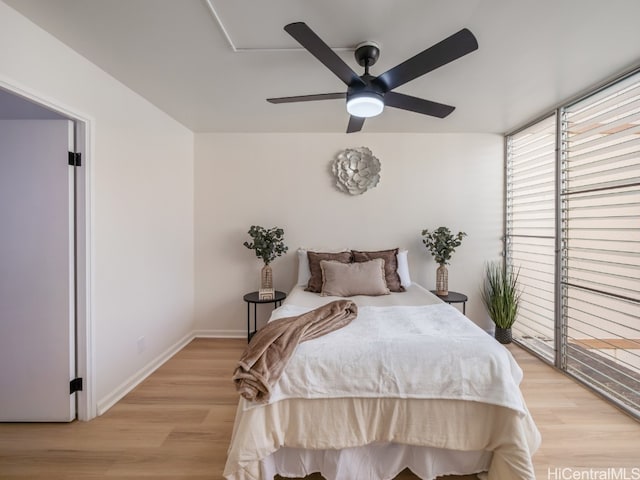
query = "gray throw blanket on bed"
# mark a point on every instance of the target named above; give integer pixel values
(270, 349)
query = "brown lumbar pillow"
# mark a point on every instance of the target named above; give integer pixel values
(390, 265)
(348, 279)
(315, 281)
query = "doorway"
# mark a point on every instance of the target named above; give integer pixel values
(44, 341)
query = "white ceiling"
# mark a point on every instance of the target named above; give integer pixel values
(211, 64)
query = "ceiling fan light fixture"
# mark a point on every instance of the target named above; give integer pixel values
(365, 105)
(366, 94)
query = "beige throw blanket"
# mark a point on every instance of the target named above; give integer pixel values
(266, 356)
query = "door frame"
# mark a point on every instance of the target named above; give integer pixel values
(86, 407)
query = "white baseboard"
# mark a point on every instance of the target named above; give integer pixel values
(134, 380)
(219, 334)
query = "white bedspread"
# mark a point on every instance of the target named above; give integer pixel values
(424, 352)
(409, 371)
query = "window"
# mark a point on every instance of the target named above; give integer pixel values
(573, 230)
(530, 230)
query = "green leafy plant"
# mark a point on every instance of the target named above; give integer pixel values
(500, 294)
(441, 243)
(267, 243)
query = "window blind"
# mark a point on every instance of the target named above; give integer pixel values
(601, 241)
(530, 230)
(573, 229)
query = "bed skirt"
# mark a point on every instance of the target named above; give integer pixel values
(343, 423)
(383, 461)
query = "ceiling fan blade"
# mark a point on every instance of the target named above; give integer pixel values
(448, 50)
(418, 105)
(355, 124)
(314, 44)
(308, 98)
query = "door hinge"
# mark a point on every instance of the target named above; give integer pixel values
(75, 385)
(75, 159)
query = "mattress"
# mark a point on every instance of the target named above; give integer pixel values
(430, 414)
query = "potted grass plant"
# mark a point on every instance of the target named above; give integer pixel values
(501, 296)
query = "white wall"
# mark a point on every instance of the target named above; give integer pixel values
(284, 180)
(141, 164)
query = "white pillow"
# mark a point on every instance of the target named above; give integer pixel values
(348, 279)
(403, 268)
(304, 272)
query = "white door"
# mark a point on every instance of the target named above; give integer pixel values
(37, 292)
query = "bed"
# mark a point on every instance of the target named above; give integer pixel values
(409, 383)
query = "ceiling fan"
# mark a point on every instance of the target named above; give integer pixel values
(368, 95)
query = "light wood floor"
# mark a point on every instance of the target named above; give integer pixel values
(177, 425)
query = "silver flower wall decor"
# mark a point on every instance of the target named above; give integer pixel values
(356, 170)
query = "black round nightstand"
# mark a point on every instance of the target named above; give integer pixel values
(254, 298)
(454, 297)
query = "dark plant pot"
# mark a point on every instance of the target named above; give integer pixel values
(503, 335)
